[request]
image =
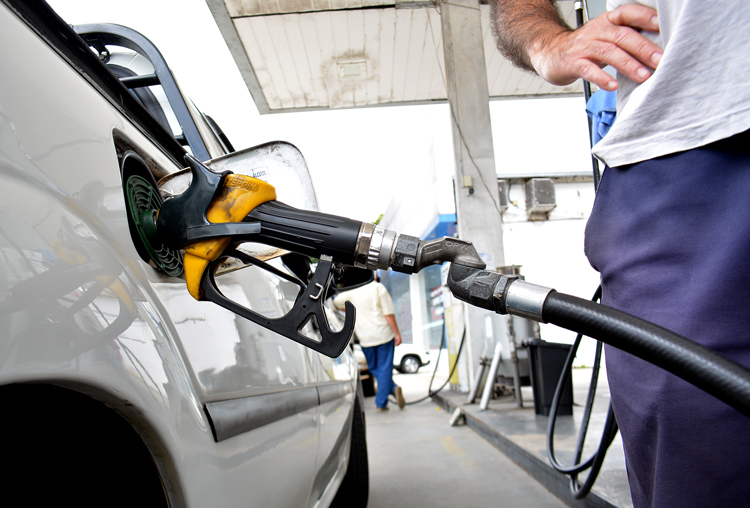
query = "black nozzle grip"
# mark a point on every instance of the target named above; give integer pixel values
(306, 232)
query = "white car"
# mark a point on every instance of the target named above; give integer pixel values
(409, 358)
(118, 387)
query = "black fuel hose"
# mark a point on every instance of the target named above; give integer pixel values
(596, 460)
(717, 375)
(430, 392)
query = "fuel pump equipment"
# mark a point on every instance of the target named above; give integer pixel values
(219, 211)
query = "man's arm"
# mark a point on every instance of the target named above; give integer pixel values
(532, 35)
(394, 326)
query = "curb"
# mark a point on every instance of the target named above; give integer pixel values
(539, 469)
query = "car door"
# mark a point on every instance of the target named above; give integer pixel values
(257, 387)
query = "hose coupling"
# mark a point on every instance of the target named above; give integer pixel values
(526, 300)
(482, 288)
(503, 294)
(380, 248)
(374, 247)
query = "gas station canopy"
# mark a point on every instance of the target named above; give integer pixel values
(298, 55)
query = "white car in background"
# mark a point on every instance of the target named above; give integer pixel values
(409, 358)
(119, 388)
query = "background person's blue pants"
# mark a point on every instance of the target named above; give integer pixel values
(380, 362)
(671, 239)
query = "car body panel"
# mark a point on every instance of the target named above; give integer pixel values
(79, 308)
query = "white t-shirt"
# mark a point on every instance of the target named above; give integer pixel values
(700, 92)
(373, 303)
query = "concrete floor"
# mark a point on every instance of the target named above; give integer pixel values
(418, 460)
(522, 435)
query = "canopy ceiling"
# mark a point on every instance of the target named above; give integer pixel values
(297, 55)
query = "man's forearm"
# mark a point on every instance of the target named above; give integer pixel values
(521, 25)
(533, 36)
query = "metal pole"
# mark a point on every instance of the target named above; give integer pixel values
(580, 20)
(484, 362)
(489, 385)
(516, 375)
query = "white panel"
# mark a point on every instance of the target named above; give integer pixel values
(525, 83)
(492, 55)
(415, 55)
(497, 71)
(311, 41)
(270, 34)
(493, 75)
(510, 87)
(356, 32)
(288, 6)
(304, 94)
(256, 54)
(339, 4)
(245, 7)
(340, 33)
(238, 8)
(435, 84)
(371, 23)
(327, 69)
(321, 4)
(340, 97)
(387, 50)
(401, 53)
(292, 56)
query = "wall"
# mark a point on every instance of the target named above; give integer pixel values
(551, 252)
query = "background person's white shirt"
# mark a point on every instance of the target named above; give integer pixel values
(373, 303)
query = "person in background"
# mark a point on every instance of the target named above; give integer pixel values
(378, 334)
(669, 230)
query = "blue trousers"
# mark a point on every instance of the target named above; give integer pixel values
(671, 239)
(380, 362)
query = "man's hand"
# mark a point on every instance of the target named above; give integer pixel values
(532, 35)
(609, 39)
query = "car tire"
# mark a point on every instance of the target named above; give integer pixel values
(354, 490)
(410, 364)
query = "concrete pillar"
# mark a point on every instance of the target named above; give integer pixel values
(479, 219)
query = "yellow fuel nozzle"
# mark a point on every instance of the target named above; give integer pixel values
(239, 195)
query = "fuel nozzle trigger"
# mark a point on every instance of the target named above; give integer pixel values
(307, 308)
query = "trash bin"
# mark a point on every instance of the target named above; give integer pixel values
(546, 362)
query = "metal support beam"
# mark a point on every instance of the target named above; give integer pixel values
(477, 206)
